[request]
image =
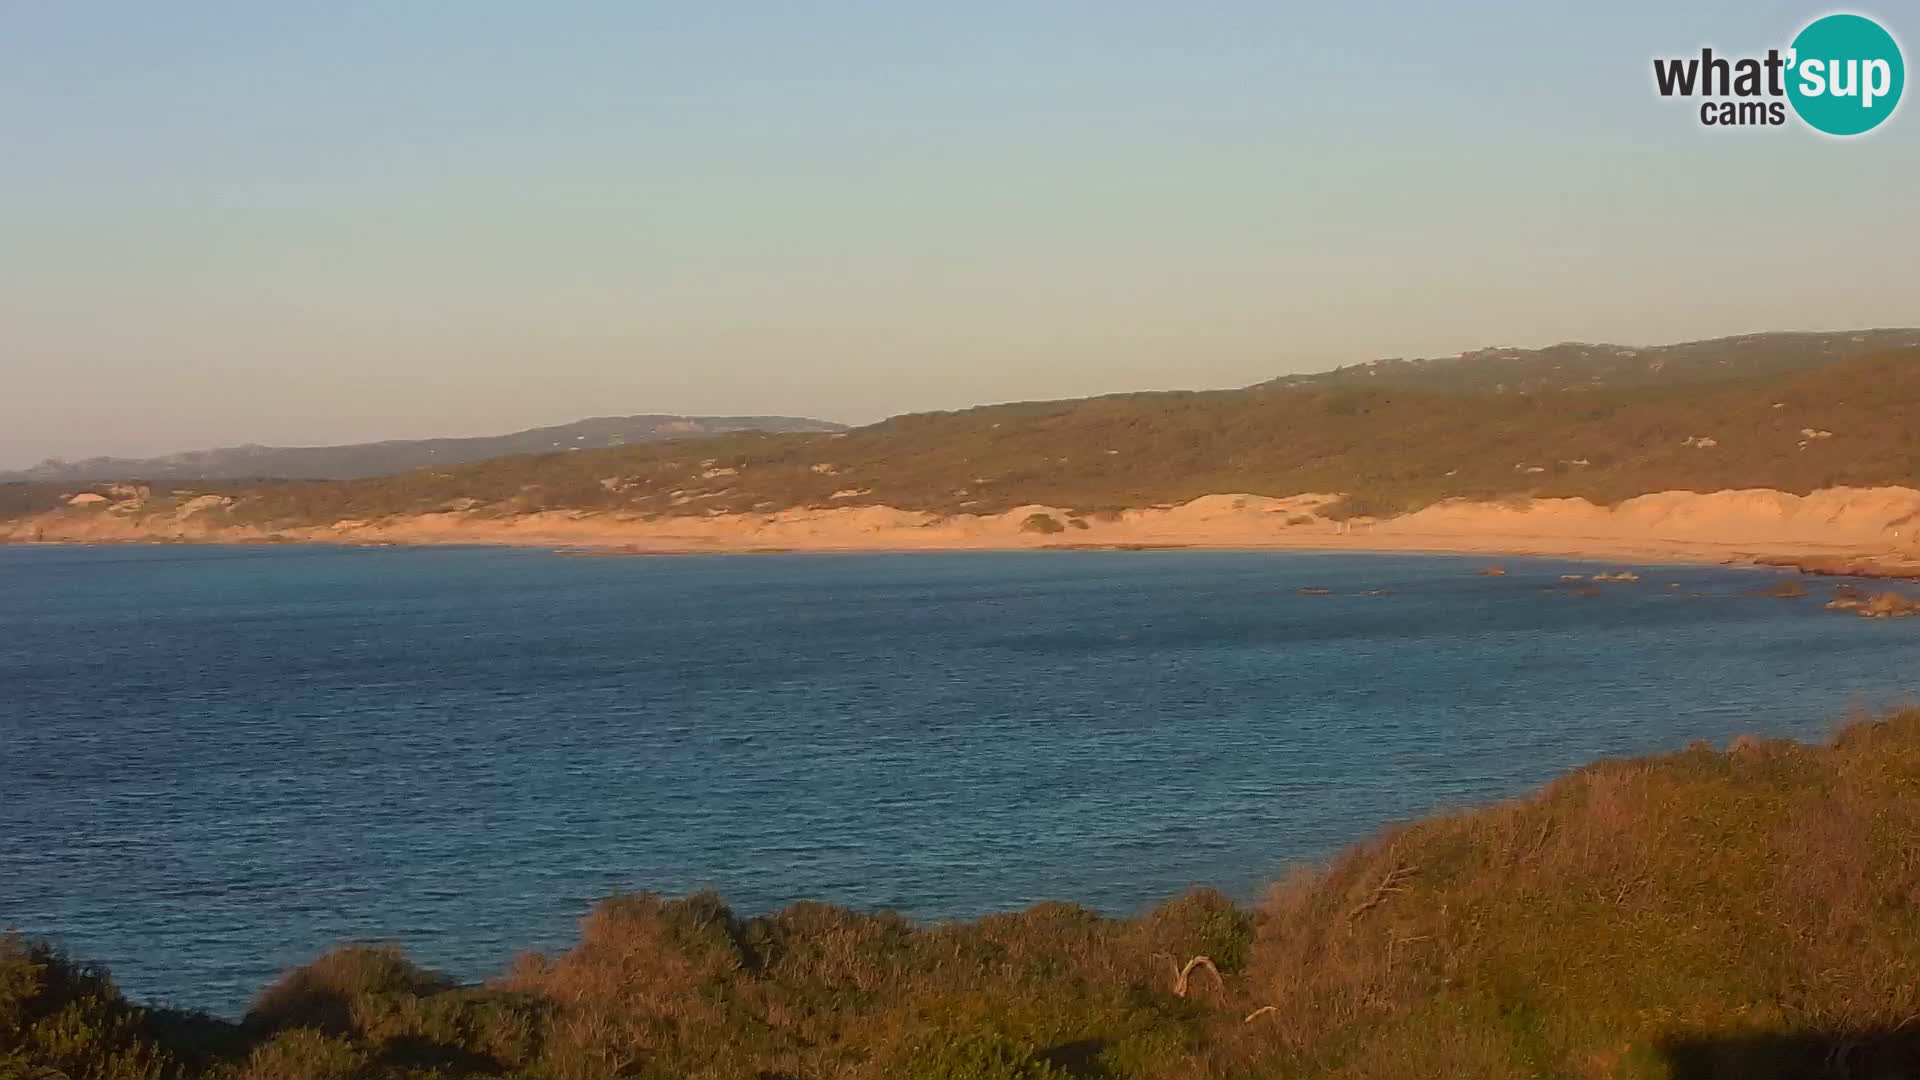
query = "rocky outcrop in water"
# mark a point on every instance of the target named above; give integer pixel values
(1884, 605)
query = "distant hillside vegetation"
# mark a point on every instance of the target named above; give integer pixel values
(1752, 914)
(1390, 447)
(380, 458)
(1578, 365)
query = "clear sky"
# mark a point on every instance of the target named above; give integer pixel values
(298, 222)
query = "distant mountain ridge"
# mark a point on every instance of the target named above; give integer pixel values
(1576, 365)
(359, 460)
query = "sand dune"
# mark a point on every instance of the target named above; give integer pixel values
(1875, 524)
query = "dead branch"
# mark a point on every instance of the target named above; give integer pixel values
(1260, 1012)
(1394, 943)
(1394, 882)
(1182, 974)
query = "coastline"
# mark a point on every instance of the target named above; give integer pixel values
(1852, 531)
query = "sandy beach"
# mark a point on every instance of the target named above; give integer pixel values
(1870, 527)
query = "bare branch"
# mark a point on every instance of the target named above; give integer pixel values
(1394, 882)
(1180, 983)
(1182, 974)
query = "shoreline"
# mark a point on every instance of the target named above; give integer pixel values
(1655, 551)
(1864, 532)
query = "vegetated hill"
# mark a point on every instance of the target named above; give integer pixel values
(1560, 368)
(1576, 365)
(380, 458)
(1746, 915)
(1391, 449)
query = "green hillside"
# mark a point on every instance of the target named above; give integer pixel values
(1577, 365)
(1391, 447)
(1739, 915)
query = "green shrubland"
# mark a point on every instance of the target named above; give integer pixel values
(1389, 448)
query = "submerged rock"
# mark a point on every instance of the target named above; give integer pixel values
(1886, 605)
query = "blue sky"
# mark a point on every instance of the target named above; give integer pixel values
(314, 222)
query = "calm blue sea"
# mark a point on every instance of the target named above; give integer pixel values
(215, 762)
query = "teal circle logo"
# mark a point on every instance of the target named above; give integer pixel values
(1845, 74)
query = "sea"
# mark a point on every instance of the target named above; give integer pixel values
(216, 762)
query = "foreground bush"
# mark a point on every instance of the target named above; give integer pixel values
(62, 1019)
(1752, 913)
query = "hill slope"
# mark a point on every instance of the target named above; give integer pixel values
(1748, 915)
(1564, 368)
(397, 455)
(1578, 365)
(1389, 449)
